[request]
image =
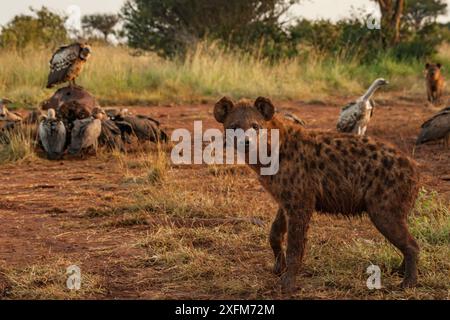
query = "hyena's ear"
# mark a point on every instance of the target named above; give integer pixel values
(427, 65)
(265, 107)
(222, 109)
(439, 65)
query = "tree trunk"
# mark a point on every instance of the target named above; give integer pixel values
(391, 15)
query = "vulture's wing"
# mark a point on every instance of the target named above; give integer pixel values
(61, 62)
(149, 118)
(440, 113)
(43, 135)
(126, 130)
(92, 133)
(372, 104)
(111, 136)
(58, 136)
(435, 128)
(349, 117)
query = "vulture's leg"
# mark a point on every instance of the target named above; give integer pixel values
(363, 130)
(359, 131)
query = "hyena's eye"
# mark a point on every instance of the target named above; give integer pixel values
(256, 126)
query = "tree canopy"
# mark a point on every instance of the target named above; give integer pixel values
(103, 23)
(43, 29)
(171, 26)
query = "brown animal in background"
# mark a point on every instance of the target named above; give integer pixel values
(434, 81)
(333, 173)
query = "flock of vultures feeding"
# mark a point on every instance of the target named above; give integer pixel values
(71, 120)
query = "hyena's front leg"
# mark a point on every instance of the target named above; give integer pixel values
(429, 94)
(298, 222)
(277, 232)
(439, 95)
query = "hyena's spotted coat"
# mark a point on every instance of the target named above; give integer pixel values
(330, 173)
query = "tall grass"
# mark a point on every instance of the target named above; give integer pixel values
(116, 76)
(18, 145)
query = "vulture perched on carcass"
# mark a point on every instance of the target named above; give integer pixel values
(66, 64)
(355, 117)
(52, 134)
(436, 128)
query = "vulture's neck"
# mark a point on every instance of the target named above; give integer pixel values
(374, 87)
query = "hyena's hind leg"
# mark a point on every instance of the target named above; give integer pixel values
(393, 226)
(277, 232)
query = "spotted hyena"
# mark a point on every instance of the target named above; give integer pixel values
(434, 81)
(331, 173)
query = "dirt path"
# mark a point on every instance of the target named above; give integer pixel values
(43, 205)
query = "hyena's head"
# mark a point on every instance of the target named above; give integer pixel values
(433, 71)
(244, 115)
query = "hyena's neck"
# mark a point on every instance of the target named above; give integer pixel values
(274, 124)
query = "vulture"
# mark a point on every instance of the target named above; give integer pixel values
(355, 117)
(69, 94)
(111, 134)
(293, 118)
(112, 113)
(143, 127)
(52, 134)
(85, 134)
(436, 128)
(66, 64)
(6, 115)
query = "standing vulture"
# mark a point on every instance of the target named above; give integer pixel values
(355, 117)
(85, 134)
(111, 134)
(52, 134)
(436, 128)
(67, 63)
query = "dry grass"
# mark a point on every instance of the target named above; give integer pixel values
(19, 145)
(183, 237)
(204, 239)
(47, 281)
(117, 77)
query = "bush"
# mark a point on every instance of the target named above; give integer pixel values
(44, 29)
